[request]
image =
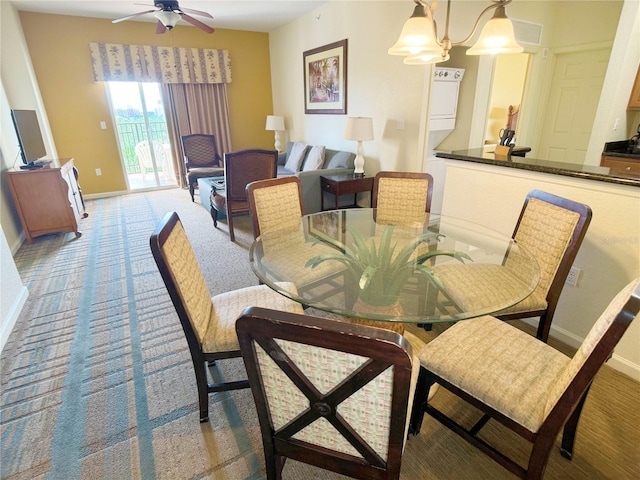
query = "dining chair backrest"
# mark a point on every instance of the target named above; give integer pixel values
(183, 278)
(275, 204)
(329, 394)
(551, 228)
(401, 198)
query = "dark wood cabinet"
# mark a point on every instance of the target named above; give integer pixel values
(621, 166)
(48, 200)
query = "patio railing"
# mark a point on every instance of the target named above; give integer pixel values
(132, 133)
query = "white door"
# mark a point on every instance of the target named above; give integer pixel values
(575, 92)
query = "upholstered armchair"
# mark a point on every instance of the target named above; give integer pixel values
(201, 159)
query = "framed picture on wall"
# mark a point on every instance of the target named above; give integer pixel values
(325, 79)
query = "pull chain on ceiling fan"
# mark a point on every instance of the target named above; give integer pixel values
(169, 13)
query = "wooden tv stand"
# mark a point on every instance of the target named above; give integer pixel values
(48, 200)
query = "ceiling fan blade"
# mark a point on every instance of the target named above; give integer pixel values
(121, 19)
(197, 23)
(196, 12)
(160, 28)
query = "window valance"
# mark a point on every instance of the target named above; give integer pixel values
(146, 63)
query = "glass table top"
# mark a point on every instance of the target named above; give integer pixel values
(355, 264)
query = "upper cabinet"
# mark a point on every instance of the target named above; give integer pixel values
(634, 99)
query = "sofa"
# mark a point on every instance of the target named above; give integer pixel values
(317, 160)
(308, 163)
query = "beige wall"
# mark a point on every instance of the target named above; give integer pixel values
(76, 105)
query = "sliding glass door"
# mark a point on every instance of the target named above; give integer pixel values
(138, 113)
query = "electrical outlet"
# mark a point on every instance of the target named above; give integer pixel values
(572, 278)
(98, 172)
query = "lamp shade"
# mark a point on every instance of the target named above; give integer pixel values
(359, 128)
(497, 36)
(168, 19)
(418, 36)
(274, 122)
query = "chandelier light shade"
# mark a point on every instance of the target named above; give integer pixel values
(418, 35)
(359, 129)
(168, 18)
(420, 45)
(275, 123)
(497, 36)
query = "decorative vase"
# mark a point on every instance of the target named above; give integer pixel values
(392, 310)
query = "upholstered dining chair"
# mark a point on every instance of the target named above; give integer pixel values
(208, 322)
(401, 198)
(201, 159)
(551, 228)
(275, 205)
(330, 394)
(240, 169)
(519, 381)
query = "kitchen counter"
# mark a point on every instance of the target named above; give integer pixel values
(589, 172)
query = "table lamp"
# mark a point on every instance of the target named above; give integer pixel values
(276, 124)
(359, 129)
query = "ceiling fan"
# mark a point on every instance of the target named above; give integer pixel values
(169, 13)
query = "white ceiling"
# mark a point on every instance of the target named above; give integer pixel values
(258, 16)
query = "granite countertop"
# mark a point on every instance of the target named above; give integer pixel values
(589, 172)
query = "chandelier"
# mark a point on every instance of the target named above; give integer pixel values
(420, 45)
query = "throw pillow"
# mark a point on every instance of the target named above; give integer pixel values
(341, 160)
(315, 159)
(296, 157)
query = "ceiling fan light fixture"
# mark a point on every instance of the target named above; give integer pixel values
(168, 18)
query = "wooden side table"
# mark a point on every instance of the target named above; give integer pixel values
(344, 185)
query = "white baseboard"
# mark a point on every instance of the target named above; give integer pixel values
(93, 196)
(10, 320)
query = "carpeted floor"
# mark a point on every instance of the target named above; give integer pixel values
(97, 381)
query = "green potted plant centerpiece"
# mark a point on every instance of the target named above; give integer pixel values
(382, 268)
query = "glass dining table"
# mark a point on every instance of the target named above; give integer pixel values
(355, 264)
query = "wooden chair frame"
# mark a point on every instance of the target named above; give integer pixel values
(240, 169)
(383, 349)
(198, 357)
(337, 286)
(564, 415)
(191, 145)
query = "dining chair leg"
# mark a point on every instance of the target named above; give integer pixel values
(569, 432)
(425, 381)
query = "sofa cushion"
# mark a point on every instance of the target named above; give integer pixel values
(296, 156)
(315, 159)
(339, 159)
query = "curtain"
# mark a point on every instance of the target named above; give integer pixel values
(145, 63)
(196, 108)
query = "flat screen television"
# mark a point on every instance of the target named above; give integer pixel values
(29, 135)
